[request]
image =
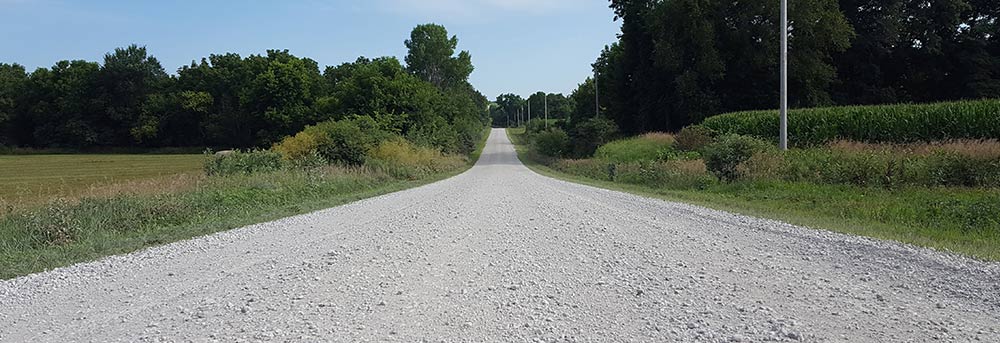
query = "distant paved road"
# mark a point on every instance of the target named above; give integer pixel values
(500, 253)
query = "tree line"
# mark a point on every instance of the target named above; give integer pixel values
(680, 61)
(232, 101)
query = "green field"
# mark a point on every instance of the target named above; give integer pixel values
(32, 179)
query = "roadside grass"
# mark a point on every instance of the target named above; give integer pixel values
(27, 180)
(961, 220)
(63, 232)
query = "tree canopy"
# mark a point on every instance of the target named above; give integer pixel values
(231, 101)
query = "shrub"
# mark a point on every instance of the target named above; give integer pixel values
(554, 142)
(590, 168)
(301, 146)
(240, 162)
(590, 134)
(694, 138)
(681, 174)
(402, 159)
(648, 147)
(724, 156)
(882, 123)
(347, 140)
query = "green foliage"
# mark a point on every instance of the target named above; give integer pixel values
(348, 140)
(648, 147)
(303, 145)
(724, 156)
(230, 101)
(400, 158)
(243, 162)
(694, 138)
(678, 62)
(960, 164)
(553, 142)
(885, 123)
(587, 135)
(430, 57)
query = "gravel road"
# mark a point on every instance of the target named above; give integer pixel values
(500, 253)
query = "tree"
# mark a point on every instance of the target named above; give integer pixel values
(431, 57)
(126, 80)
(510, 104)
(12, 79)
(62, 108)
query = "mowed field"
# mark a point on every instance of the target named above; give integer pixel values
(34, 179)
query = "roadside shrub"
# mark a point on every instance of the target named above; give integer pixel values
(724, 156)
(694, 138)
(954, 169)
(882, 123)
(590, 134)
(648, 147)
(437, 133)
(347, 140)
(243, 162)
(534, 126)
(554, 142)
(590, 168)
(301, 146)
(680, 174)
(402, 159)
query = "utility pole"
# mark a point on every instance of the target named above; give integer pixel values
(546, 101)
(783, 138)
(529, 109)
(597, 95)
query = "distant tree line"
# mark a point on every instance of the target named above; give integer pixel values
(680, 61)
(231, 101)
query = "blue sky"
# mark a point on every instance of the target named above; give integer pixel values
(518, 46)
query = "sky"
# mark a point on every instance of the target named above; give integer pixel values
(517, 46)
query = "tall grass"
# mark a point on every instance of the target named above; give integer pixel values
(907, 123)
(647, 147)
(839, 187)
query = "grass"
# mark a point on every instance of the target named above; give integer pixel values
(63, 233)
(961, 220)
(649, 146)
(27, 180)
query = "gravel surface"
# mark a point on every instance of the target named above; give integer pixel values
(500, 253)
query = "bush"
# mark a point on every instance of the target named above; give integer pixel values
(348, 140)
(882, 123)
(589, 168)
(725, 155)
(301, 146)
(590, 134)
(681, 174)
(648, 147)
(400, 158)
(694, 138)
(553, 143)
(240, 162)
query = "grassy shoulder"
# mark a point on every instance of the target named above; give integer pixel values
(940, 218)
(64, 233)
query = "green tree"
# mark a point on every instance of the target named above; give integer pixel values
(61, 107)
(127, 79)
(12, 79)
(431, 56)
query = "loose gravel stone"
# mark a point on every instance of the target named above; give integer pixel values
(500, 253)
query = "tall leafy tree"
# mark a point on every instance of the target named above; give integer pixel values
(127, 79)
(431, 56)
(12, 79)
